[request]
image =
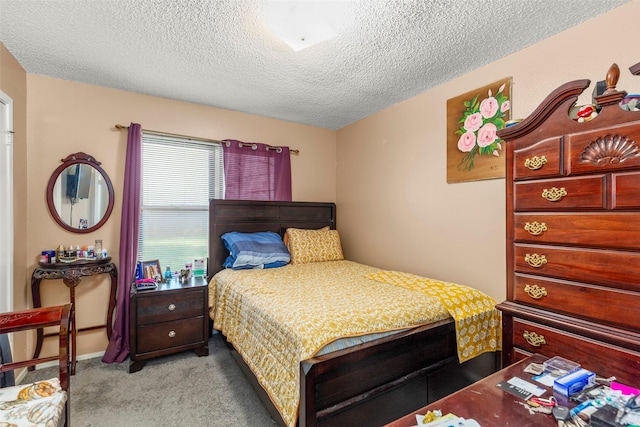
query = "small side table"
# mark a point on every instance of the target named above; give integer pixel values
(71, 274)
(169, 319)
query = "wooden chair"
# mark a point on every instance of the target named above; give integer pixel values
(62, 316)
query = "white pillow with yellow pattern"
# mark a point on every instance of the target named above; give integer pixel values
(38, 404)
(313, 245)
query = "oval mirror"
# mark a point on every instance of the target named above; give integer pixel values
(80, 194)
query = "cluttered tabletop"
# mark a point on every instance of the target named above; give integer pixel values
(537, 392)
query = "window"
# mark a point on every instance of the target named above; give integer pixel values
(179, 177)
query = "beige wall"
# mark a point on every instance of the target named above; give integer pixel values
(67, 117)
(395, 208)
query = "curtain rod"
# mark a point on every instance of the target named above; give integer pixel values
(215, 141)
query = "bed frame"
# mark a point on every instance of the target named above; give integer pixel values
(370, 384)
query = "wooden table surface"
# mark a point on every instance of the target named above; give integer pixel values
(489, 405)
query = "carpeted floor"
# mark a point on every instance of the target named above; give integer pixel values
(177, 390)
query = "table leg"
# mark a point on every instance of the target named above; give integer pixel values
(136, 365)
(72, 298)
(35, 294)
(112, 300)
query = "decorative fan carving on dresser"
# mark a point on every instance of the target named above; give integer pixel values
(610, 149)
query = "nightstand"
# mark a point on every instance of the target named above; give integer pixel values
(169, 319)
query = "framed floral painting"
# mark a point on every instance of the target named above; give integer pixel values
(474, 151)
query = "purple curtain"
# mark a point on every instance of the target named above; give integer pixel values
(256, 171)
(118, 348)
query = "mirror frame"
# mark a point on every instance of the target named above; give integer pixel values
(72, 159)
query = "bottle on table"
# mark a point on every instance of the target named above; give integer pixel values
(97, 248)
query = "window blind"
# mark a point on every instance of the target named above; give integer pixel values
(179, 177)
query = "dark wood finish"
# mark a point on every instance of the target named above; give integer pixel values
(72, 159)
(488, 404)
(168, 320)
(618, 269)
(595, 143)
(549, 149)
(584, 192)
(381, 380)
(370, 384)
(559, 295)
(597, 230)
(248, 216)
(62, 316)
(71, 275)
(581, 301)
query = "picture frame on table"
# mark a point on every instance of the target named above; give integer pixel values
(151, 269)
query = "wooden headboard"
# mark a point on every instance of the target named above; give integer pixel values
(251, 216)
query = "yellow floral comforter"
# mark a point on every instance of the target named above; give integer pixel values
(478, 322)
(278, 317)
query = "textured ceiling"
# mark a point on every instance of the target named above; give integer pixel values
(220, 52)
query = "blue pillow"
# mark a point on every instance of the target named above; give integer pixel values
(263, 249)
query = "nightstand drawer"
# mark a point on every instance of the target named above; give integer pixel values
(169, 335)
(166, 306)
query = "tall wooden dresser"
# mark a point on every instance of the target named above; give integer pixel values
(573, 233)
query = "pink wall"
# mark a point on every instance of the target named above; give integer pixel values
(67, 117)
(395, 208)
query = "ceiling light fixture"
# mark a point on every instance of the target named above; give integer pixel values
(302, 24)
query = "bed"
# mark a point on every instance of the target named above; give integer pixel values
(371, 382)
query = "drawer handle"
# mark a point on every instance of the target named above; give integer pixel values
(535, 162)
(535, 228)
(535, 291)
(535, 260)
(554, 194)
(171, 307)
(534, 339)
(172, 334)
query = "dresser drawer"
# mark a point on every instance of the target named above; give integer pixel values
(612, 230)
(539, 160)
(627, 190)
(165, 306)
(617, 269)
(603, 358)
(597, 303)
(561, 194)
(603, 150)
(169, 335)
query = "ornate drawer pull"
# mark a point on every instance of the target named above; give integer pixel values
(172, 334)
(534, 339)
(535, 162)
(535, 228)
(171, 307)
(535, 291)
(535, 260)
(554, 194)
